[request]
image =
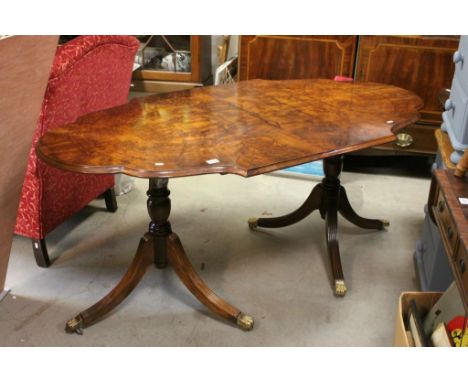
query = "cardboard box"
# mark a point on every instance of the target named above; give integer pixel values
(424, 301)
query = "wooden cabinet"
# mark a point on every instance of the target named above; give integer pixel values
(422, 64)
(171, 63)
(451, 217)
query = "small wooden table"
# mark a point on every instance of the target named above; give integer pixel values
(247, 129)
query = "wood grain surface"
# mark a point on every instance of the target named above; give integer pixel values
(248, 128)
(453, 188)
(421, 64)
(445, 148)
(450, 213)
(25, 63)
(296, 57)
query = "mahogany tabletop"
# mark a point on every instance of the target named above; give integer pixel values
(248, 128)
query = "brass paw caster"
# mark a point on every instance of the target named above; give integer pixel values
(75, 325)
(340, 288)
(245, 322)
(253, 223)
(385, 223)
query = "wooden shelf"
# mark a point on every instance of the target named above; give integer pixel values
(155, 80)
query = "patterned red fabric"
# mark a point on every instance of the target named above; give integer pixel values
(89, 73)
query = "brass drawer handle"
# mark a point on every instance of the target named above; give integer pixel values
(462, 265)
(449, 232)
(404, 140)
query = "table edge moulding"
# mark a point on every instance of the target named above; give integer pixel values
(178, 124)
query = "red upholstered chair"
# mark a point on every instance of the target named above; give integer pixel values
(89, 73)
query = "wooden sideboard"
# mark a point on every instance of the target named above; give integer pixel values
(422, 64)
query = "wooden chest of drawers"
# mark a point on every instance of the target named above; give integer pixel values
(451, 216)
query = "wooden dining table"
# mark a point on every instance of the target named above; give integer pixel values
(249, 128)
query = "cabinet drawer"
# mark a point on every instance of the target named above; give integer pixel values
(446, 224)
(448, 211)
(422, 140)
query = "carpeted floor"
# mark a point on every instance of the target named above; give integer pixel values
(281, 277)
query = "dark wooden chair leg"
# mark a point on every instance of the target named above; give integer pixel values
(184, 269)
(40, 253)
(111, 200)
(144, 257)
(349, 214)
(311, 204)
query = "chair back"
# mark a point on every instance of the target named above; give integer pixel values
(87, 75)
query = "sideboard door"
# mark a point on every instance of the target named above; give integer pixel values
(422, 64)
(296, 57)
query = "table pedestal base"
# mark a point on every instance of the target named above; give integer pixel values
(159, 246)
(329, 197)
